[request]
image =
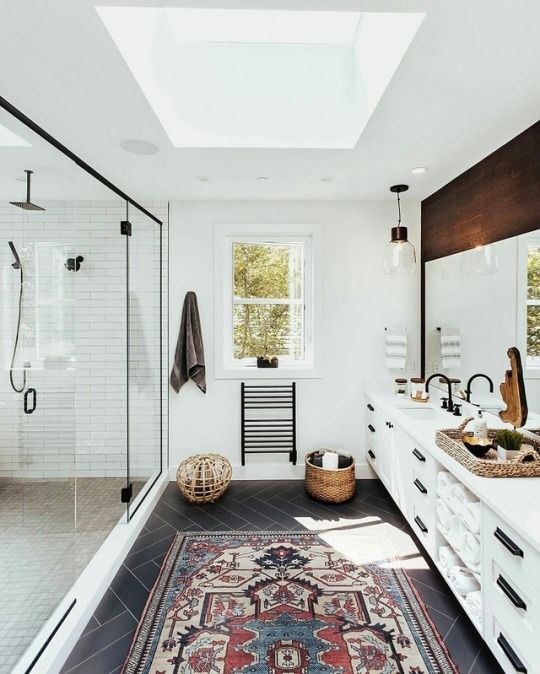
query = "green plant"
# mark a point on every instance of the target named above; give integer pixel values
(509, 440)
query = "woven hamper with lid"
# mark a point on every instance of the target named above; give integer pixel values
(330, 485)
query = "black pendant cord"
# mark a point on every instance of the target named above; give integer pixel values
(399, 210)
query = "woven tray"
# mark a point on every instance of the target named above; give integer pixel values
(525, 464)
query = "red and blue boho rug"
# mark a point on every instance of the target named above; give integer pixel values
(281, 603)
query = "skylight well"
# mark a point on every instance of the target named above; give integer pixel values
(237, 78)
(10, 139)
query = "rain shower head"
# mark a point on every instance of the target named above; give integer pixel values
(27, 205)
(17, 263)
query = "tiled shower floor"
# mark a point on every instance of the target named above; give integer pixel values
(49, 531)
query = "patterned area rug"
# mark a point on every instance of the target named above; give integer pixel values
(281, 603)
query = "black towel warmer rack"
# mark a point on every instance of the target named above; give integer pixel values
(263, 432)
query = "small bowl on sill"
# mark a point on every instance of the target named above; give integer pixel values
(477, 446)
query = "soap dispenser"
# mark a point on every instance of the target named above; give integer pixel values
(480, 426)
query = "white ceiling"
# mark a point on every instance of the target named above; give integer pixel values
(467, 84)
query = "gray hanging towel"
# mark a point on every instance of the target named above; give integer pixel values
(189, 356)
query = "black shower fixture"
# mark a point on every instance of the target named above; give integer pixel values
(27, 205)
(74, 263)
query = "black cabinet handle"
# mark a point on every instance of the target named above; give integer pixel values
(371, 428)
(30, 392)
(418, 455)
(511, 593)
(421, 525)
(370, 407)
(511, 655)
(508, 542)
(420, 486)
(371, 453)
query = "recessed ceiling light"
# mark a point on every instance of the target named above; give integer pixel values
(203, 179)
(419, 169)
(137, 146)
(327, 179)
(262, 179)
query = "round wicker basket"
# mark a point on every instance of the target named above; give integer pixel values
(204, 478)
(331, 486)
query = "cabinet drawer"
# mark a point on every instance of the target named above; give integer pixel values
(422, 465)
(508, 549)
(423, 522)
(516, 653)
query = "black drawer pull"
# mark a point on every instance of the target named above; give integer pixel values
(420, 486)
(371, 428)
(418, 455)
(508, 543)
(511, 655)
(371, 453)
(421, 525)
(511, 593)
(370, 407)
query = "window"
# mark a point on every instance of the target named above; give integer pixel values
(533, 303)
(264, 300)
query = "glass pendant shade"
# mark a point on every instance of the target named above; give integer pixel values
(480, 261)
(399, 255)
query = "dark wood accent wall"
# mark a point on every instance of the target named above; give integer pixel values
(495, 199)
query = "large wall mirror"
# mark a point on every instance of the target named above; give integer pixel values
(478, 303)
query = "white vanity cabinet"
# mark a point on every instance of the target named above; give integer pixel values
(408, 462)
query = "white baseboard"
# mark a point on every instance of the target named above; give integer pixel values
(281, 472)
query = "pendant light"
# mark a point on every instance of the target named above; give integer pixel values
(399, 254)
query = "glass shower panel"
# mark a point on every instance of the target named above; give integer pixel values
(144, 331)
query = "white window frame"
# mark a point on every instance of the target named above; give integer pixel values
(531, 370)
(226, 367)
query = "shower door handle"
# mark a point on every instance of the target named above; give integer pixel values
(30, 392)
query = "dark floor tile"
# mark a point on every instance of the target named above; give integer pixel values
(148, 539)
(147, 573)
(131, 592)
(107, 660)
(92, 624)
(441, 621)
(149, 552)
(485, 663)
(464, 644)
(109, 607)
(444, 602)
(88, 646)
(178, 520)
(227, 518)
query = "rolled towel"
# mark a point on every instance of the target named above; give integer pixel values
(447, 557)
(471, 515)
(444, 515)
(456, 533)
(473, 604)
(444, 481)
(458, 494)
(463, 580)
(470, 550)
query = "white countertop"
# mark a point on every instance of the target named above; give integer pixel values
(516, 500)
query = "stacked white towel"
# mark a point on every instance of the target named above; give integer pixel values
(445, 481)
(456, 533)
(463, 580)
(396, 348)
(470, 514)
(450, 348)
(470, 550)
(448, 558)
(473, 602)
(445, 517)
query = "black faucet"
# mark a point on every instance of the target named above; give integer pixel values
(475, 376)
(450, 406)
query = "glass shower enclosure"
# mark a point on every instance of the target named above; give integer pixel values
(81, 382)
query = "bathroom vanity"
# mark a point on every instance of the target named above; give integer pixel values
(400, 447)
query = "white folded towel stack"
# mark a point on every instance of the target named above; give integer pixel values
(456, 533)
(445, 517)
(473, 603)
(470, 513)
(396, 348)
(463, 580)
(470, 550)
(445, 481)
(450, 348)
(448, 558)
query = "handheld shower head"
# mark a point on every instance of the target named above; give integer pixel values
(17, 263)
(27, 205)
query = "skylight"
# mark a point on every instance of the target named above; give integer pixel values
(236, 78)
(10, 139)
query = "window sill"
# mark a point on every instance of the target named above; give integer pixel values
(269, 373)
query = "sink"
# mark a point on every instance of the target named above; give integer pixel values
(421, 413)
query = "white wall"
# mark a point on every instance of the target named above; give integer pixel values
(358, 302)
